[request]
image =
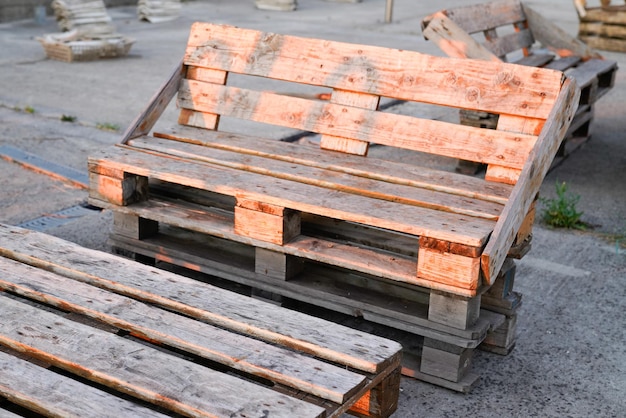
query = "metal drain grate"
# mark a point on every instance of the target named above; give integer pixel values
(62, 217)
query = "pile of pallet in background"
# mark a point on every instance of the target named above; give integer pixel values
(155, 11)
(88, 33)
(603, 27)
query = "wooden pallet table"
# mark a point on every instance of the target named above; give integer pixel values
(402, 245)
(506, 30)
(86, 333)
(603, 26)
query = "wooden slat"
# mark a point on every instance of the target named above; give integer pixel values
(536, 60)
(453, 40)
(348, 145)
(432, 136)
(530, 180)
(302, 332)
(302, 197)
(51, 394)
(324, 178)
(380, 71)
(236, 351)
(563, 63)
(511, 42)
(146, 119)
(138, 370)
(547, 33)
(481, 17)
(373, 168)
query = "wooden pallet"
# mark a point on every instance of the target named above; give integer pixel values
(387, 304)
(603, 27)
(295, 220)
(507, 30)
(87, 333)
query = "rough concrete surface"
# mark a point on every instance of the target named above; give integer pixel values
(570, 357)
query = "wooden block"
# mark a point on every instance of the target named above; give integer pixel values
(118, 191)
(455, 311)
(266, 222)
(133, 226)
(350, 145)
(445, 360)
(502, 340)
(382, 400)
(448, 268)
(276, 265)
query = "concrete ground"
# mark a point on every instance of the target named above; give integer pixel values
(570, 358)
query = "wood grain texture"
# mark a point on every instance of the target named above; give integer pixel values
(233, 350)
(530, 180)
(399, 74)
(311, 335)
(305, 198)
(431, 136)
(369, 168)
(50, 394)
(136, 369)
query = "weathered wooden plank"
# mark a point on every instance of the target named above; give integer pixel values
(481, 17)
(552, 36)
(453, 40)
(346, 182)
(511, 42)
(394, 304)
(311, 335)
(602, 30)
(372, 168)
(146, 119)
(233, 350)
(526, 188)
(349, 145)
(138, 370)
(536, 60)
(301, 197)
(374, 70)
(51, 394)
(612, 15)
(432, 136)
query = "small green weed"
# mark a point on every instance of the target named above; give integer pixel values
(561, 212)
(29, 109)
(108, 126)
(68, 118)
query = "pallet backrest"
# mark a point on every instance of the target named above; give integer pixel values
(358, 76)
(503, 30)
(503, 24)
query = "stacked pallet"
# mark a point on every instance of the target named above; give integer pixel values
(603, 27)
(508, 30)
(89, 17)
(407, 247)
(89, 33)
(155, 11)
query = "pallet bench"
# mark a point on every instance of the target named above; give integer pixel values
(506, 30)
(603, 26)
(402, 245)
(87, 333)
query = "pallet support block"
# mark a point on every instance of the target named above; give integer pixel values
(278, 266)
(382, 400)
(455, 311)
(117, 187)
(445, 360)
(502, 340)
(133, 226)
(266, 222)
